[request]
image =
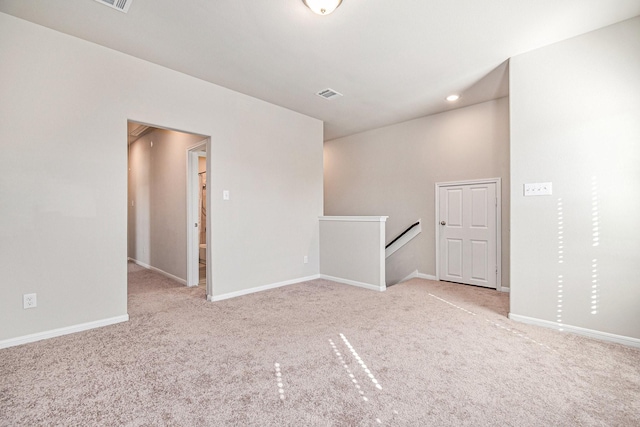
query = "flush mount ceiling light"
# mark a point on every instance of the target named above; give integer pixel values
(452, 98)
(322, 7)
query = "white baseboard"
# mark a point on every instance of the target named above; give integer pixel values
(426, 276)
(12, 342)
(291, 282)
(604, 336)
(416, 274)
(157, 270)
(260, 288)
(353, 283)
(411, 275)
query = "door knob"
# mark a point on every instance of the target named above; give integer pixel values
(443, 222)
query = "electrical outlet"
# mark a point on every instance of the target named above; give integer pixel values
(29, 301)
(305, 259)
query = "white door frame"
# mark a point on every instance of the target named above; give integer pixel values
(193, 242)
(498, 183)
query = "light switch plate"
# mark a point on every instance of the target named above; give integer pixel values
(225, 195)
(538, 189)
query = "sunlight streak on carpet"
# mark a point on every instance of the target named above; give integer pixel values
(351, 376)
(279, 381)
(361, 362)
(452, 304)
(519, 334)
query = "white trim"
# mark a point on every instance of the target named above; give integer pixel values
(382, 263)
(411, 275)
(12, 342)
(504, 289)
(354, 218)
(260, 288)
(468, 182)
(604, 336)
(403, 240)
(157, 270)
(498, 183)
(354, 283)
(193, 248)
(416, 274)
(209, 222)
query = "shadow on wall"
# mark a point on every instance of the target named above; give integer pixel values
(492, 86)
(402, 263)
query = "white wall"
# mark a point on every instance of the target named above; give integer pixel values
(575, 121)
(392, 171)
(352, 250)
(64, 106)
(157, 187)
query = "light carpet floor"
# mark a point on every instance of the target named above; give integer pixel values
(318, 353)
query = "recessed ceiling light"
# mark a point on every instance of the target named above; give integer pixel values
(452, 98)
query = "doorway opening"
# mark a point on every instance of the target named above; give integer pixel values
(202, 220)
(198, 235)
(468, 232)
(160, 212)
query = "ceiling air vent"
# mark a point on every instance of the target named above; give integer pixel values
(329, 94)
(121, 5)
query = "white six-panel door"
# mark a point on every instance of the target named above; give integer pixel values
(467, 224)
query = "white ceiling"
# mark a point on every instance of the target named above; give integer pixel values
(392, 60)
